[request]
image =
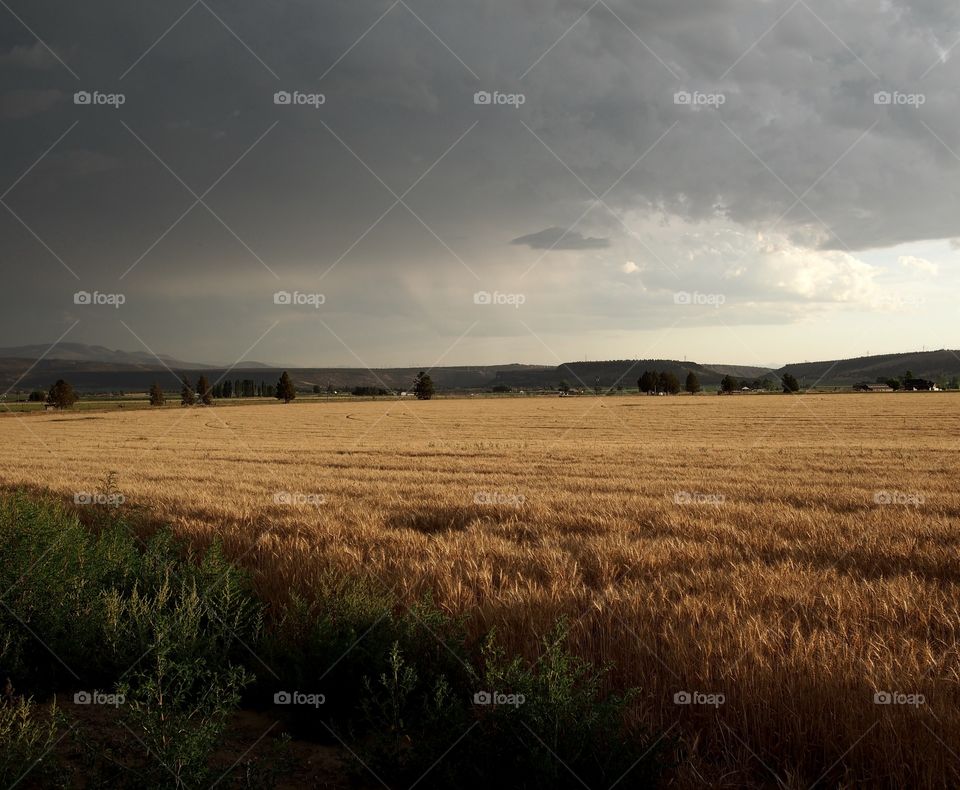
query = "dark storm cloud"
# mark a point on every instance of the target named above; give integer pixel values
(560, 239)
(781, 135)
(28, 56)
(16, 104)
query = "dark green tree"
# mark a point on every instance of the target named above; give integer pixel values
(37, 396)
(203, 391)
(693, 383)
(564, 387)
(423, 386)
(156, 395)
(790, 383)
(187, 395)
(668, 382)
(285, 389)
(728, 383)
(226, 389)
(647, 382)
(61, 395)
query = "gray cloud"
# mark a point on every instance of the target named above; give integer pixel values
(28, 56)
(797, 152)
(20, 104)
(560, 239)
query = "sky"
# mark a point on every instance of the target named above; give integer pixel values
(431, 183)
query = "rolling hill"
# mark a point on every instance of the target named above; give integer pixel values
(100, 369)
(931, 365)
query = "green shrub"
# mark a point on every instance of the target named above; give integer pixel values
(82, 606)
(554, 727)
(407, 721)
(178, 709)
(26, 740)
(565, 732)
(98, 609)
(345, 635)
(325, 646)
(182, 637)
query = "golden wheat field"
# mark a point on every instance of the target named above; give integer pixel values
(797, 555)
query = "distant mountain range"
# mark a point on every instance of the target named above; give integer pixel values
(81, 352)
(100, 369)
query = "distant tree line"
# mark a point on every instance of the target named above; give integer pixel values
(653, 383)
(244, 388)
(902, 382)
(788, 383)
(368, 392)
(284, 390)
(206, 394)
(62, 394)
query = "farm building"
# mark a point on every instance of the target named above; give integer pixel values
(872, 387)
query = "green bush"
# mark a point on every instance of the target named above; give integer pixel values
(408, 721)
(182, 636)
(26, 740)
(554, 727)
(566, 731)
(178, 711)
(95, 609)
(343, 636)
(82, 606)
